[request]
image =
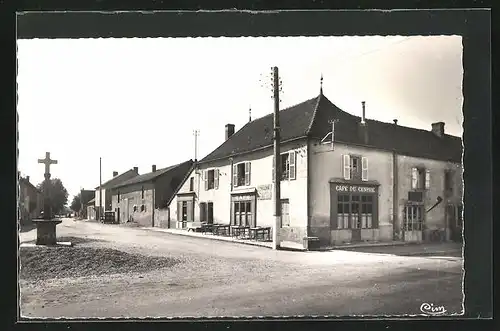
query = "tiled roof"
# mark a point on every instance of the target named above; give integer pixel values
(33, 187)
(118, 179)
(294, 123)
(311, 118)
(152, 175)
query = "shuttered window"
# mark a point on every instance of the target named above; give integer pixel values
(364, 168)
(346, 166)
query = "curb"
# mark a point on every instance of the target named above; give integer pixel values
(249, 243)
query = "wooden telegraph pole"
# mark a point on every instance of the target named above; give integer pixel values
(277, 159)
(99, 217)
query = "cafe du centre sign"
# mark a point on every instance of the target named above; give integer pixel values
(354, 189)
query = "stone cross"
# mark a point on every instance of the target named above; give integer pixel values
(47, 161)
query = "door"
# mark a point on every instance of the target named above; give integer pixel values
(126, 212)
(454, 218)
(210, 213)
(355, 219)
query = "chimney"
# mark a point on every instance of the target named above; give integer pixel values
(229, 130)
(395, 121)
(136, 169)
(115, 173)
(438, 129)
(28, 179)
(363, 113)
(153, 168)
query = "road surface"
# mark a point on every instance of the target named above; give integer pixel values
(229, 279)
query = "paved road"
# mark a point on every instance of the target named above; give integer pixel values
(227, 279)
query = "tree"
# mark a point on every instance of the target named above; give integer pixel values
(58, 195)
(76, 203)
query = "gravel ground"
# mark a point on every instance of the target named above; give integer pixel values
(220, 279)
(38, 263)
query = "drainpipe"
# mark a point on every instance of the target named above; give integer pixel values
(154, 205)
(396, 228)
(308, 193)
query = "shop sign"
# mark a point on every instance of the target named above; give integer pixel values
(264, 192)
(354, 189)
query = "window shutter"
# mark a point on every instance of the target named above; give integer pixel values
(205, 179)
(427, 178)
(179, 211)
(216, 179)
(190, 211)
(414, 178)
(274, 167)
(247, 173)
(364, 168)
(292, 167)
(235, 175)
(347, 166)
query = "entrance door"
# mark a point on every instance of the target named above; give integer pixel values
(454, 217)
(210, 213)
(355, 219)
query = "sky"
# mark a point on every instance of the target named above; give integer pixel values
(135, 102)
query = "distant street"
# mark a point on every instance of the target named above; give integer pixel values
(227, 279)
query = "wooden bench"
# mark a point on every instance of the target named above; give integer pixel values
(195, 226)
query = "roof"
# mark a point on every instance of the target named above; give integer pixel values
(86, 196)
(24, 181)
(311, 119)
(152, 175)
(117, 179)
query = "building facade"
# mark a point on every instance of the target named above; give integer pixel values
(144, 198)
(345, 179)
(102, 204)
(30, 200)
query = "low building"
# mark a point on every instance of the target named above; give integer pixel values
(86, 196)
(30, 200)
(104, 203)
(139, 198)
(344, 179)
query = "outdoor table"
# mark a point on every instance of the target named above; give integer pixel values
(208, 228)
(260, 232)
(218, 227)
(236, 230)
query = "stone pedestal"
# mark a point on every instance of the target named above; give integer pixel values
(46, 231)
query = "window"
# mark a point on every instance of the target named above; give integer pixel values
(211, 179)
(420, 178)
(448, 181)
(413, 217)
(285, 212)
(241, 174)
(287, 166)
(143, 208)
(355, 211)
(142, 192)
(191, 184)
(355, 167)
(242, 211)
(135, 208)
(118, 196)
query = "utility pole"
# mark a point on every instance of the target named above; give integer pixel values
(100, 190)
(277, 159)
(196, 133)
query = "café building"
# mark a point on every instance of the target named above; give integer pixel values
(345, 179)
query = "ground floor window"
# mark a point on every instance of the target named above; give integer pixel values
(285, 212)
(242, 213)
(413, 217)
(355, 211)
(207, 212)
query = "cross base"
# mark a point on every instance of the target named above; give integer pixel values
(46, 231)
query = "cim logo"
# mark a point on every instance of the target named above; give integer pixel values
(430, 309)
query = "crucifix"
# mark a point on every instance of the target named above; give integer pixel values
(47, 161)
(47, 210)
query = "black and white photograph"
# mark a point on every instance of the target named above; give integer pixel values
(241, 177)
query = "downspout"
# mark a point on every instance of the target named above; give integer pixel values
(308, 189)
(396, 229)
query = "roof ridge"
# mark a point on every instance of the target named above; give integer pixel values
(313, 117)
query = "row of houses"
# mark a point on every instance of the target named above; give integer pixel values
(344, 179)
(30, 200)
